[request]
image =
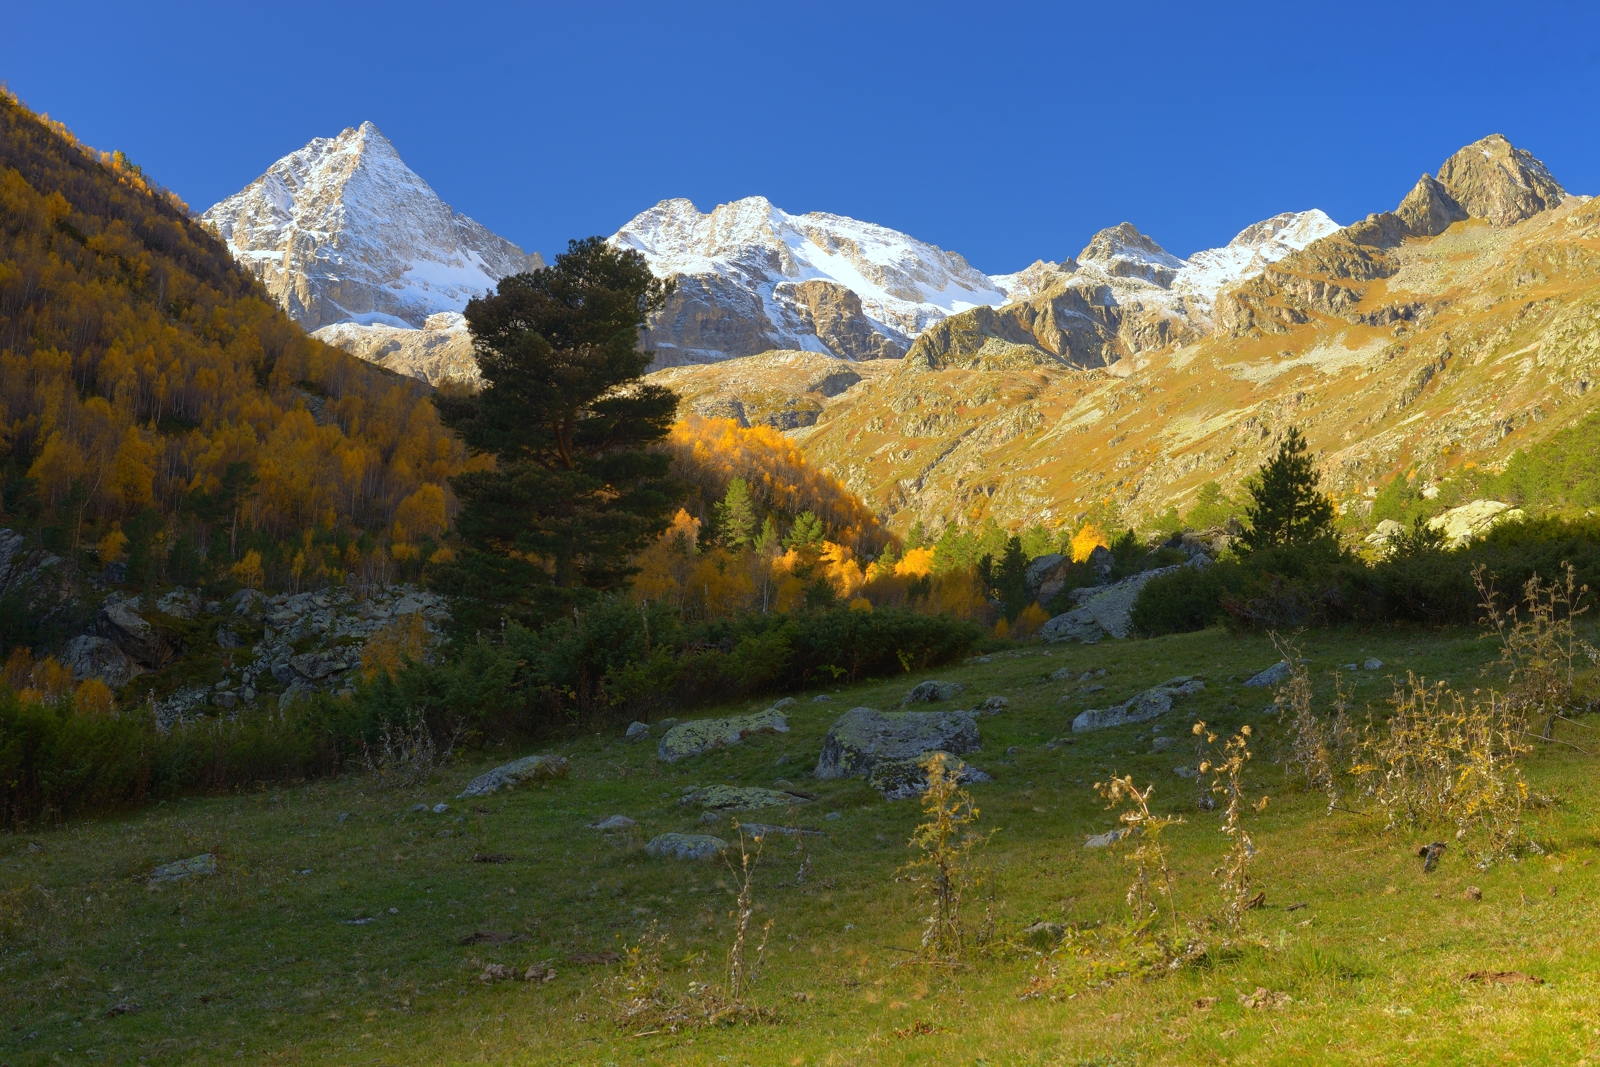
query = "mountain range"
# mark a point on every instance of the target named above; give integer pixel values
(1454, 328)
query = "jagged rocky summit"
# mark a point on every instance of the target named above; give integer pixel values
(343, 232)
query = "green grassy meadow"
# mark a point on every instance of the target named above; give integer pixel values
(265, 962)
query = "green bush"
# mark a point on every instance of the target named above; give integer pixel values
(1187, 599)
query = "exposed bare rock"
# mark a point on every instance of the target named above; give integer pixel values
(91, 656)
(1469, 522)
(440, 351)
(149, 646)
(1429, 209)
(833, 313)
(1494, 180)
(784, 390)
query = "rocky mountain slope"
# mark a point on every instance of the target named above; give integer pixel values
(1455, 329)
(343, 232)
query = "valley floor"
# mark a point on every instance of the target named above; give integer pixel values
(271, 960)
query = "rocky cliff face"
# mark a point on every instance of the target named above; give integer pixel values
(440, 351)
(342, 231)
(752, 278)
(1410, 341)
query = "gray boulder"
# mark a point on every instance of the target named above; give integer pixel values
(228, 637)
(686, 846)
(637, 731)
(1372, 663)
(699, 736)
(248, 602)
(526, 769)
(1102, 611)
(902, 779)
(932, 692)
(614, 823)
(31, 574)
(1042, 569)
(180, 604)
(992, 706)
(741, 798)
(148, 646)
(1276, 674)
(199, 866)
(90, 656)
(317, 665)
(1150, 704)
(862, 736)
(1110, 837)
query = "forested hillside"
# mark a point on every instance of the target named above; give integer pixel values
(152, 397)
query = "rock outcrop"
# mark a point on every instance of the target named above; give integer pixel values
(1150, 704)
(699, 736)
(441, 351)
(93, 656)
(1428, 209)
(741, 798)
(1467, 523)
(150, 646)
(861, 737)
(28, 575)
(902, 779)
(1493, 179)
(543, 768)
(687, 847)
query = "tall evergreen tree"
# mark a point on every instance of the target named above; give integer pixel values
(1285, 505)
(576, 489)
(736, 515)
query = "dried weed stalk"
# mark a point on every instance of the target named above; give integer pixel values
(1149, 856)
(1227, 781)
(406, 754)
(1539, 646)
(1442, 758)
(946, 872)
(645, 1004)
(743, 971)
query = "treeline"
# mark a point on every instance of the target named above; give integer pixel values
(151, 396)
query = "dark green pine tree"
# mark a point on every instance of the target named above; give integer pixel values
(1011, 578)
(576, 490)
(736, 515)
(1285, 505)
(806, 531)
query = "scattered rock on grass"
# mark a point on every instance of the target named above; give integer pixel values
(699, 736)
(1372, 663)
(1150, 704)
(1276, 674)
(902, 779)
(993, 706)
(1044, 934)
(862, 736)
(932, 692)
(741, 798)
(1110, 837)
(1161, 744)
(637, 731)
(526, 769)
(194, 867)
(686, 846)
(614, 822)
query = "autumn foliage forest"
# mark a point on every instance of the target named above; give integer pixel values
(157, 409)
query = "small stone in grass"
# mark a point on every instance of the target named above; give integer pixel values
(440, 808)
(1473, 893)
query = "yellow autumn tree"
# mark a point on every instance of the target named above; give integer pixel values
(1086, 540)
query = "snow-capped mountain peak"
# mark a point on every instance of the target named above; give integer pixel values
(752, 277)
(1255, 248)
(343, 231)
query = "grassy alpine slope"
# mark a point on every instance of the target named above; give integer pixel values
(263, 962)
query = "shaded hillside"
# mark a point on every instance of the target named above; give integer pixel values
(138, 364)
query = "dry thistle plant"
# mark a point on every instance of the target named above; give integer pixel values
(1150, 855)
(1443, 759)
(406, 753)
(1539, 645)
(1227, 781)
(946, 872)
(742, 971)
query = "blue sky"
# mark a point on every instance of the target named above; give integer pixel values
(1007, 132)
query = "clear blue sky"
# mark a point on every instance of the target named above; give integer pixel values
(1007, 132)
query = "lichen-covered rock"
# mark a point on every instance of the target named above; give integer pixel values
(698, 736)
(90, 656)
(1462, 525)
(180, 604)
(614, 823)
(637, 731)
(933, 692)
(1150, 704)
(194, 867)
(741, 798)
(862, 736)
(526, 769)
(686, 846)
(902, 779)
